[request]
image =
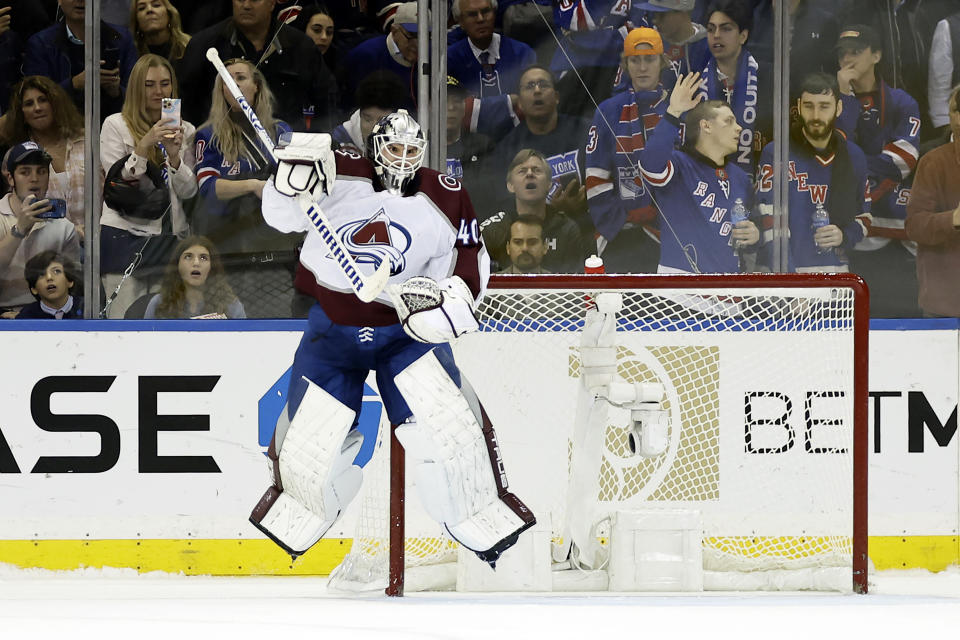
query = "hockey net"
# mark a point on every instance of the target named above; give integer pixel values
(765, 381)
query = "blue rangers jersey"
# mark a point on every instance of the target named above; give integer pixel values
(616, 194)
(694, 198)
(810, 175)
(212, 166)
(886, 125)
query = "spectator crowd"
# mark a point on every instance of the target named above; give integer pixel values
(638, 131)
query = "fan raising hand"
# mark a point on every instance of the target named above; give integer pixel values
(686, 95)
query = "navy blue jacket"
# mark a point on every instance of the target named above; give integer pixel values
(515, 56)
(47, 55)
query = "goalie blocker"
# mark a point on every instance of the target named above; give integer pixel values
(459, 470)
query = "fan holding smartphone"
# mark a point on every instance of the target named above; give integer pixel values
(147, 137)
(29, 222)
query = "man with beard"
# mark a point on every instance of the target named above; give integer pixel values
(696, 189)
(827, 173)
(526, 247)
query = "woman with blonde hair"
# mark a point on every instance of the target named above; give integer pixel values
(156, 28)
(232, 169)
(41, 111)
(195, 284)
(148, 145)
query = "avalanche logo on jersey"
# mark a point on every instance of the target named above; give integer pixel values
(376, 239)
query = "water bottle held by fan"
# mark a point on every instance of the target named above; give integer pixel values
(738, 215)
(820, 219)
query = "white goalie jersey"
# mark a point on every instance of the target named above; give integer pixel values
(431, 232)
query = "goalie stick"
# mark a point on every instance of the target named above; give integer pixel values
(366, 287)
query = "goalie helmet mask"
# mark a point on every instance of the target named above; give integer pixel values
(396, 147)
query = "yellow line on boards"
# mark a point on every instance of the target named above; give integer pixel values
(934, 553)
(263, 557)
(190, 557)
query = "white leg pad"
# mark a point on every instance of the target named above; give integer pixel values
(455, 470)
(317, 475)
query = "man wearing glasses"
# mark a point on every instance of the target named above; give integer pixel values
(559, 137)
(396, 52)
(485, 62)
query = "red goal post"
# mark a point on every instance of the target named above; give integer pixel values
(719, 342)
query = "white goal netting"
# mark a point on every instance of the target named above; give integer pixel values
(759, 404)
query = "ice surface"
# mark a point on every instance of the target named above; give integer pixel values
(121, 604)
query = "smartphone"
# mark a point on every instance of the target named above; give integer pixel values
(110, 57)
(59, 210)
(170, 110)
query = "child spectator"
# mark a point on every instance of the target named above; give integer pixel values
(51, 279)
(195, 285)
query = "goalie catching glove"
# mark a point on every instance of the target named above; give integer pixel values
(434, 312)
(305, 165)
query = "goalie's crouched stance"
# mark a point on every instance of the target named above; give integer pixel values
(458, 467)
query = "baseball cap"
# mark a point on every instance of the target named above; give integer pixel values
(639, 36)
(666, 5)
(858, 36)
(25, 153)
(406, 16)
